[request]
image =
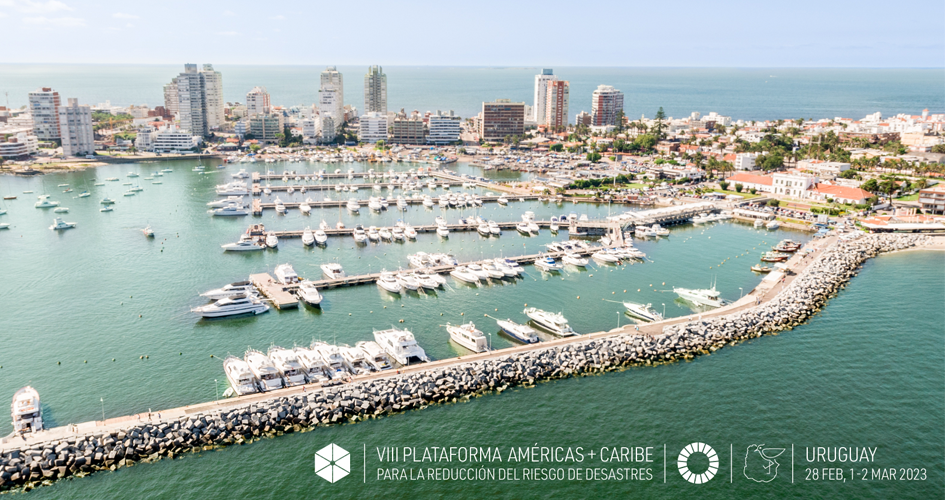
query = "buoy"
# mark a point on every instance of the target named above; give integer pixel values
(113, 359)
(211, 355)
(142, 357)
(58, 362)
(349, 314)
(441, 314)
(664, 283)
(579, 296)
(462, 314)
(638, 289)
(497, 309)
(139, 315)
(626, 291)
(371, 312)
(86, 361)
(147, 357)
(180, 354)
(612, 293)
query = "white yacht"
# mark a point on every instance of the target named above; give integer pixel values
(555, 323)
(332, 271)
(374, 204)
(272, 241)
(372, 234)
(61, 210)
(641, 311)
(398, 234)
(522, 333)
(706, 296)
(428, 202)
(280, 207)
(547, 264)
(229, 200)
(659, 230)
(502, 201)
(359, 235)
(356, 360)
(480, 273)
(401, 345)
(388, 281)
(426, 280)
(26, 411)
(353, 206)
(230, 210)
(443, 231)
(492, 270)
(308, 238)
(522, 227)
(309, 293)
(231, 290)
(264, 369)
(321, 237)
(772, 225)
(286, 275)
(45, 202)
(287, 362)
(463, 274)
(511, 264)
(237, 188)
(246, 243)
(232, 306)
(315, 368)
(574, 260)
(331, 356)
(483, 229)
(494, 228)
(468, 336)
(305, 208)
(410, 232)
(59, 225)
(241, 377)
(605, 257)
(385, 234)
(374, 355)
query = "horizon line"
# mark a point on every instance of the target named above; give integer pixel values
(466, 65)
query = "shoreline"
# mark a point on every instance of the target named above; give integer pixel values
(241, 420)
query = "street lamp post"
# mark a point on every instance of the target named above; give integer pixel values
(740, 292)
(216, 388)
(490, 341)
(618, 319)
(103, 409)
(664, 310)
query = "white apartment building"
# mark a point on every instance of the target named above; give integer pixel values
(443, 128)
(541, 95)
(823, 169)
(44, 107)
(75, 124)
(19, 146)
(143, 139)
(331, 78)
(328, 128)
(745, 161)
(375, 91)
(791, 184)
(606, 104)
(213, 90)
(329, 105)
(171, 103)
(170, 139)
(310, 130)
(373, 127)
(257, 102)
(199, 99)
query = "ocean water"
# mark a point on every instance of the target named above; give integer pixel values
(742, 93)
(857, 374)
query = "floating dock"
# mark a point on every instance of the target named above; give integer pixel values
(274, 291)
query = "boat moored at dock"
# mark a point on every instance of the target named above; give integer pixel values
(26, 411)
(522, 333)
(555, 323)
(241, 377)
(269, 376)
(401, 345)
(468, 336)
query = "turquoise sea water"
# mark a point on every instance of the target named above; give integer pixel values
(867, 371)
(742, 93)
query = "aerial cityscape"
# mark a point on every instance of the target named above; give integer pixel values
(523, 280)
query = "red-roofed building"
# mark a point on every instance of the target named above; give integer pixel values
(761, 183)
(839, 194)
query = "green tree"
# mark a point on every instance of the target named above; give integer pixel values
(870, 185)
(938, 148)
(659, 126)
(723, 185)
(593, 156)
(738, 188)
(556, 148)
(254, 148)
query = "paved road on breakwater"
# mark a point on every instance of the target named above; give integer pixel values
(765, 291)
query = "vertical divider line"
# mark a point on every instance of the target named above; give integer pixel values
(364, 461)
(664, 463)
(731, 469)
(792, 463)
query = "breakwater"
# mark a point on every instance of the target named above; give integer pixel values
(149, 441)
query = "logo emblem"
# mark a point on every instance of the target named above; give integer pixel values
(332, 463)
(683, 463)
(760, 463)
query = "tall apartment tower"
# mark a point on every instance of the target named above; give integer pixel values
(191, 101)
(170, 98)
(541, 94)
(501, 118)
(556, 104)
(606, 102)
(375, 91)
(257, 102)
(213, 91)
(44, 106)
(331, 99)
(75, 123)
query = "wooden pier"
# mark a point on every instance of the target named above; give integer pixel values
(348, 231)
(364, 203)
(274, 291)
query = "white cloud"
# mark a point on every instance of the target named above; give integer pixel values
(129, 25)
(227, 33)
(119, 15)
(31, 7)
(228, 13)
(55, 21)
(280, 17)
(2, 15)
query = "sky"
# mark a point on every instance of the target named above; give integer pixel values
(507, 33)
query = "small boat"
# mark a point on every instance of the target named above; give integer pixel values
(11, 197)
(305, 208)
(463, 274)
(373, 234)
(788, 246)
(468, 336)
(45, 202)
(502, 201)
(775, 257)
(309, 293)
(272, 241)
(553, 322)
(61, 210)
(332, 271)
(442, 231)
(494, 228)
(231, 210)
(232, 306)
(359, 235)
(106, 208)
(385, 234)
(245, 243)
(605, 257)
(641, 311)
(761, 269)
(59, 225)
(759, 223)
(26, 411)
(230, 290)
(707, 296)
(522, 333)
(4, 225)
(148, 232)
(772, 225)
(398, 234)
(547, 264)
(408, 282)
(84, 194)
(321, 238)
(308, 238)
(388, 281)
(574, 259)
(480, 273)
(107, 201)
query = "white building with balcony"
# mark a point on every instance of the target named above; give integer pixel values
(373, 127)
(443, 128)
(75, 125)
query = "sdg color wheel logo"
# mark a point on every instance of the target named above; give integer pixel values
(683, 463)
(332, 463)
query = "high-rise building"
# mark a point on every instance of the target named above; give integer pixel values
(582, 118)
(265, 127)
(373, 127)
(199, 99)
(541, 95)
(257, 102)
(170, 98)
(556, 104)
(443, 128)
(606, 103)
(44, 106)
(75, 124)
(331, 100)
(501, 118)
(407, 131)
(375, 91)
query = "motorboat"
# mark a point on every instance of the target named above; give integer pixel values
(426, 280)
(321, 238)
(4, 225)
(428, 202)
(388, 281)
(787, 246)
(84, 194)
(463, 274)
(331, 356)
(553, 322)
(59, 225)
(385, 234)
(374, 355)
(480, 273)
(642, 311)
(408, 282)
(522, 227)
(353, 206)
(773, 225)
(242, 174)
(522, 333)
(397, 234)
(237, 188)
(264, 370)
(356, 360)
(359, 235)
(658, 230)
(410, 232)
(229, 200)
(61, 210)
(501, 266)
(494, 228)
(401, 345)
(511, 264)
(468, 336)
(241, 377)
(324, 225)
(287, 362)
(246, 243)
(761, 269)
(605, 257)
(230, 290)
(706, 296)
(483, 229)
(305, 208)
(106, 208)
(492, 270)
(315, 368)
(502, 201)
(132, 174)
(759, 223)
(230, 210)
(547, 264)
(107, 201)
(280, 207)
(643, 232)
(26, 411)
(574, 259)
(332, 271)
(286, 275)
(372, 234)
(309, 293)
(232, 306)
(442, 231)
(554, 225)
(45, 202)
(308, 238)
(374, 204)
(775, 257)
(272, 241)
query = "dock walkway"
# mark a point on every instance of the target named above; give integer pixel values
(276, 292)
